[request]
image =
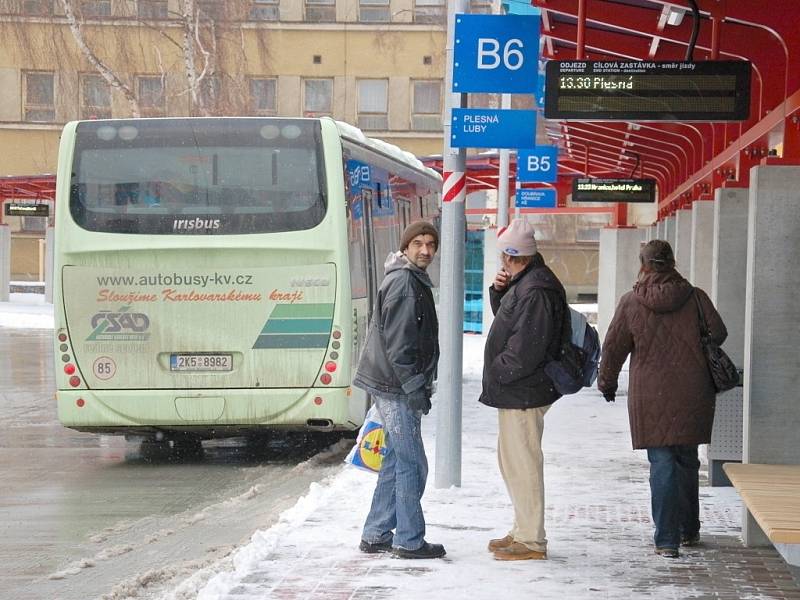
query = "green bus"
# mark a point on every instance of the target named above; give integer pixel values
(214, 277)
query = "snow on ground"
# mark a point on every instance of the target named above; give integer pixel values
(598, 515)
(598, 521)
(26, 311)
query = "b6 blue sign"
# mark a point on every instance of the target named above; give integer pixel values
(496, 53)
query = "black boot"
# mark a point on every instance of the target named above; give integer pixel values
(376, 547)
(425, 551)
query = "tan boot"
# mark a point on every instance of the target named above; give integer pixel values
(498, 543)
(517, 551)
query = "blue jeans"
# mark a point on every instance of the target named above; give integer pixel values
(401, 480)
(674, 491)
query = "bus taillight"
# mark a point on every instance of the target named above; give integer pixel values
(330, 366)
(74, 381)
(325, 378)
(69, 369)
(336, 334)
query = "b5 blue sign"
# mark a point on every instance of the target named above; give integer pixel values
(496, 53)
(538, 164)
(536, 198)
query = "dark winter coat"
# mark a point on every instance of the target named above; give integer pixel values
(524, 337)
(402, 348)
(670, 392)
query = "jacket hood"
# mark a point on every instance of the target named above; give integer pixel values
(397, 260)
(662, 292)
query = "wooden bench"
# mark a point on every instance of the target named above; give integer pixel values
(772, 495)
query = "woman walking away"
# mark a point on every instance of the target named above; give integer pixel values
(671, 394)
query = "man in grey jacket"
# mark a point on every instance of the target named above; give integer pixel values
(397, 368)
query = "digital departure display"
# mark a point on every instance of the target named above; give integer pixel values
(26, 210)
(613, 190)
(647, 91)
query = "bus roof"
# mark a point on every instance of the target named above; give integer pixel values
(355, 134)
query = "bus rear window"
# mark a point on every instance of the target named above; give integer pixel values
(198, 176)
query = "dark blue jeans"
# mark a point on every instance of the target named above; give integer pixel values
(674, 493)
(401, 480)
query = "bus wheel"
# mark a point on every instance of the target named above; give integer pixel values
(188, 447)
(154, 450)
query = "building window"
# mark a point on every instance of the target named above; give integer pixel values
(374, 11)
(96, 8)
(152, 100)
(265, 10)
(317, 97)
(426, 114)
(480, 7)
(152, 9)
(210, 90)
(39, 100)
(430, 11)
(31, 8)
(95, 97)
(321, 11)
(373, 104)
(213, 9)
(263, 96)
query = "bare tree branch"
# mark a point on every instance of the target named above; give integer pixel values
(105, 71)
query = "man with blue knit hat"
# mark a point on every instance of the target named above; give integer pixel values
(529, 304)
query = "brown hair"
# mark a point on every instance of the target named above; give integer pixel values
(656, 255)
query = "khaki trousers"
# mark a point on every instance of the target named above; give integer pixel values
(519, 454)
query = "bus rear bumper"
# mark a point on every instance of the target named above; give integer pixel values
(211, 412)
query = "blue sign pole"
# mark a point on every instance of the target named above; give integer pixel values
(491, 128)
(496, 53)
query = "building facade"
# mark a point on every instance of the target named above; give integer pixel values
(378, 64)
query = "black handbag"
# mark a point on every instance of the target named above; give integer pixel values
(724, 373)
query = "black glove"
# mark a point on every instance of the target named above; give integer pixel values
(610, 396)
(419, 399)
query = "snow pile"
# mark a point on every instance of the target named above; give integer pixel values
(26, 311)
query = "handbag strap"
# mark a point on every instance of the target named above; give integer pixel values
(704, 331)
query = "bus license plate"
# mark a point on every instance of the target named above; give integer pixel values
(201, 362)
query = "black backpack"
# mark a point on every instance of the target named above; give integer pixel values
(579, 354)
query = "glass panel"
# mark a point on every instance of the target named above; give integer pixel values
(96, 8)
(374, 11)
(39, 97)
(96, 99)
(263, 95)
(198, 176)
(480, 7)
(318, 11)
(372, 95)
(372, 104)
(39, 88)
(428, 97)
(37, 7)
(151, 95)
(430, 11)
(318, 96)
(265, 10)
(210, 87)
(152, 9)
(213, 9)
